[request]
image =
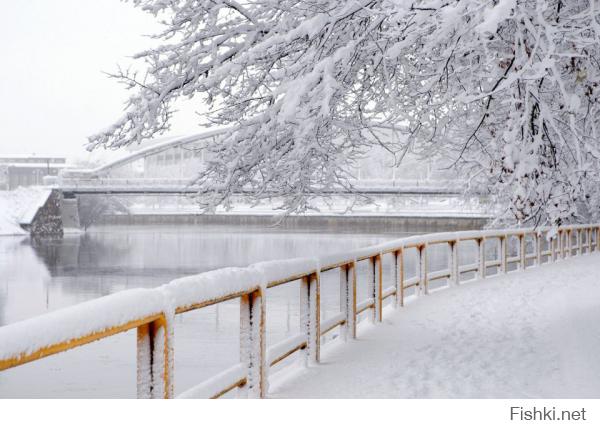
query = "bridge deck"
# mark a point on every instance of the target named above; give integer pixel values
(529, 334)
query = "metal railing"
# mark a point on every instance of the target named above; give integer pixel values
(63, 330)
(92, 184)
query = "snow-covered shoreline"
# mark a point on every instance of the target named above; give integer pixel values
(9, 226)
(525, 334)
(19, 206)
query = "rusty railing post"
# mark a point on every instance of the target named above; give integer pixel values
(154, 360)
(559, 243)
(378, 279)
(571, 245)
(454, 278)
(310, 316)
(538, 248)
(344, 300)
(522, 252)
(373, 287)
(315, 287)
(502, 250)
(422, 270)
(253, 344)
(352, 296)
(348, 300)
(480, 258)
(399, 276)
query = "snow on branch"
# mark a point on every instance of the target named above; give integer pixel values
(506, 91)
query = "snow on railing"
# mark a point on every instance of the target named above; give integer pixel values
(218, 385)
(151, 311)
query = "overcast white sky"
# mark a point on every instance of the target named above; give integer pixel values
(53, 92)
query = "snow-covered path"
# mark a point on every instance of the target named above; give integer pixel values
(530, 334)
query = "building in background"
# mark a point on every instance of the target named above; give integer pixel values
(28, 170)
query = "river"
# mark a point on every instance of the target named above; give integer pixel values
(45, 275)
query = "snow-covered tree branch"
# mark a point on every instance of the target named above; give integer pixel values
(505, 90)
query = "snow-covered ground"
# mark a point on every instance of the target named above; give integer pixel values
(524, 335)
(8, 226)
(20, 206)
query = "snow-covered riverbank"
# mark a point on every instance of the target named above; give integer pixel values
(19, 206)
(531, 334)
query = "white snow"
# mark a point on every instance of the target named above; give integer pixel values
(9, 226)
(220, 283)
(73, 322)
(216, 384)
(495, 15)
(19, 206)
(282, 347)
(490, 315)
(271, 271)
(334, 320)
(526, 334)
(215, 284)
(360, 306)
(35, 204)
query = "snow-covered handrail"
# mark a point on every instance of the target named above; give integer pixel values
(151, 311)
(67, 328)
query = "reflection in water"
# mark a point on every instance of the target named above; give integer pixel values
(53, 273)
(39, 276)
(25, 281)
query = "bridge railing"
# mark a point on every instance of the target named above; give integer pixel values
(116, 182)
(75, 182)
(151, 311)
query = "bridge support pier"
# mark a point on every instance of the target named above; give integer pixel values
(69, 212)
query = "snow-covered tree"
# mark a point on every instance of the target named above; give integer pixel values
(505, 90)
(515, 86)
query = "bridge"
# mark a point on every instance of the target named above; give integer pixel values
(496, 313)
(159, 179)
(170, 166)
(119, 186)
